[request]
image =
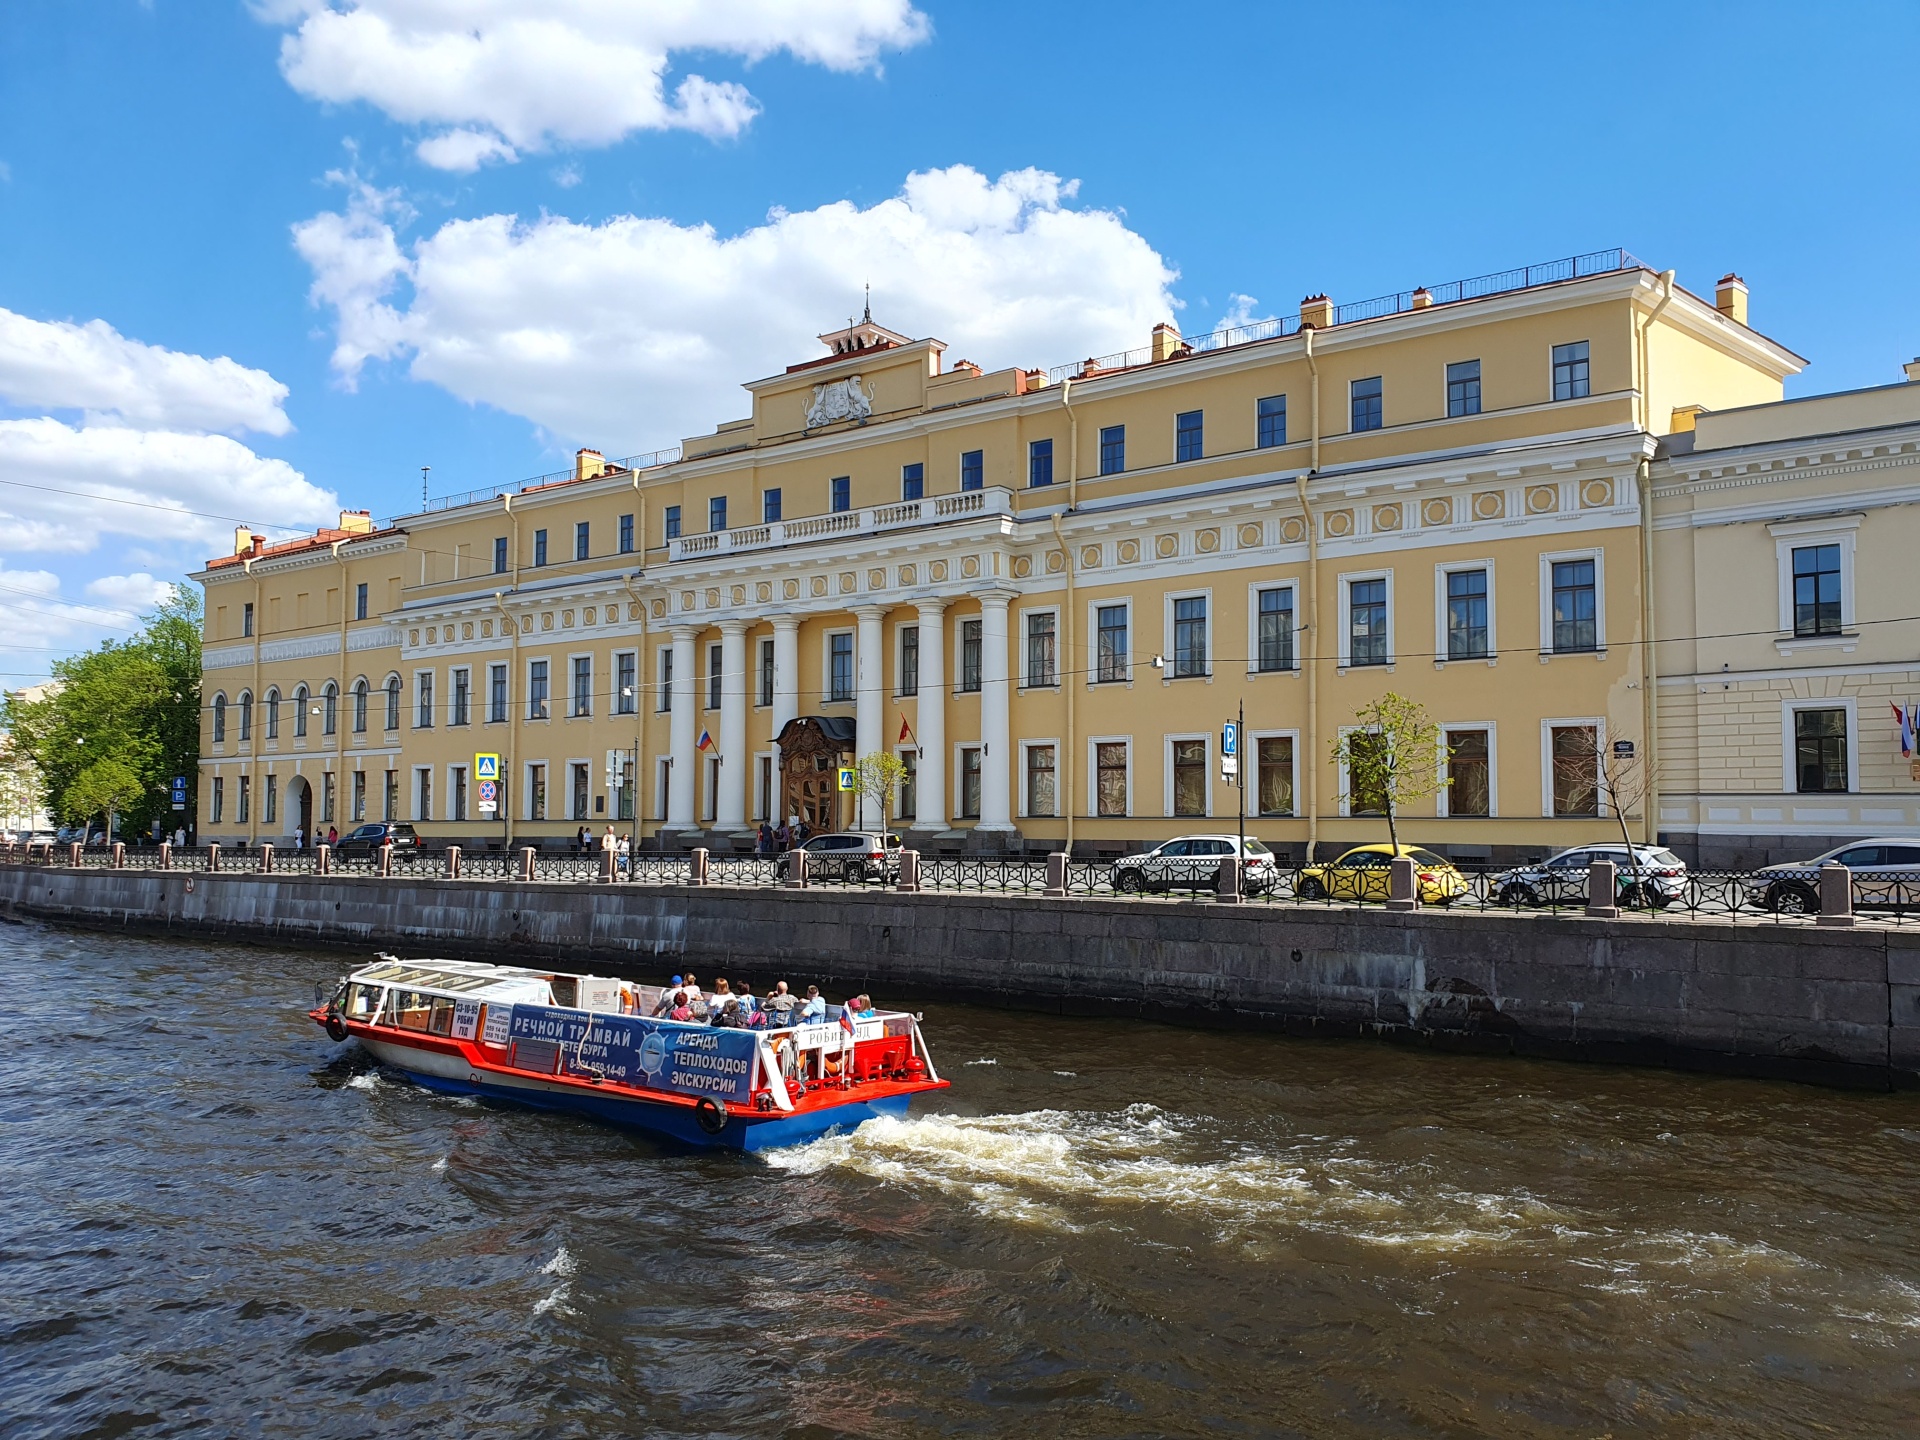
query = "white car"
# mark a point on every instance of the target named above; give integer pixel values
(1192, 862)
(1648, 873)
(1886, 874)
(854, 856)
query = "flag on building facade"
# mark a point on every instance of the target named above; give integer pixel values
(1903, 724)
(906, 732)
(706, 741)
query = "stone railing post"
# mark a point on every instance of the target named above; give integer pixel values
(266, 859)
(166, 855)
(1056, 875)
(213, 858)
(909, 882)
(1403, 885)
(1836, 895)
(323, 859)
(453, 862)
(526, 862)
(606, 866)
(796, 869)
(1603, 890)
(386, 860)
(119, 855)
(697, 866)
(73, 854)
(1226, 884)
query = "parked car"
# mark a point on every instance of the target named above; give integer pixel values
(1886, 873)
(1362, 874)
(364, 842)
(1192, 862)
(1648, 875)
(854, 855)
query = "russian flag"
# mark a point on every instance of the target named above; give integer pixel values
(846, 1019)
(1903, 722)
(706, 741)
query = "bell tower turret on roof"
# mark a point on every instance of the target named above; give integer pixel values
(863, 334)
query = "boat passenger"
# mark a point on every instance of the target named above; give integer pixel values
(730, 1017)
(680, 1009)
(692, 986)
(702, 1011)
(721, 991)
(781, 1004)
(816, 1006)
(862, 1006)
(667, 998)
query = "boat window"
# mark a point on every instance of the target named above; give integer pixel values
(440, 1022)
(363, 1001)
(566, 990)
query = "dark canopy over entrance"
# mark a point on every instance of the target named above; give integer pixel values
(812, 750)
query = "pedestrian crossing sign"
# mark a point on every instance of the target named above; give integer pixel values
(486, 767)
(846, 777)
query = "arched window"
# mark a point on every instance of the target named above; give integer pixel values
(220, 719)
(360, 706)
(270, 713)
(393, 702)
(246, 716)
(330, 709)
(300, 697)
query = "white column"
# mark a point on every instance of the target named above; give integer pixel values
(735, 758)
(786, 671)
(931, 782)
(996, 764)
(686, 760)
(870, 698)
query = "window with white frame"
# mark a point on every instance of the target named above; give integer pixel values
(1570, 766)
(1573, 603)
(1110, 626)
(909, 660)
(1463, 610)
(423, 696)
(1816, 577)
(581, 700)
(423, 792)
(1042, 656)
(1188, 625)
(1110, 775)
(1040, 767)
(1275, 775)
(1188, 793)
(840, 666)
(626, 683)
(1366, 618)
(1273, 628)
(1467, 767)
(1818, 742)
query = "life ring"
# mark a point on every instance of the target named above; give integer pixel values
(336, 1027)
(710, 1114)
(832, 1065)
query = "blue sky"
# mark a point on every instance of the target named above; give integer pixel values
(477, 247)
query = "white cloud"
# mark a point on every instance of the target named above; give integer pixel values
(635, 332)
(523, 75)
(67, 479)
(131, 593)
(57, 365)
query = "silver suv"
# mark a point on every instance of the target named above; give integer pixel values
(854, 856)
(1192, 862)
(1648, 875)
(1886, 874)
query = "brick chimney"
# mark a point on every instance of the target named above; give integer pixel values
(357, 522)
(243, 539)
(1166, 340)
(1316, 312)
(1730, 297)
(588, 463)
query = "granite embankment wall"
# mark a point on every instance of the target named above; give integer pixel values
(1830, 1005)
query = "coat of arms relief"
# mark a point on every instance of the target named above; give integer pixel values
(838, 400)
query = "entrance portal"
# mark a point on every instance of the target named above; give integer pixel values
(300, 808)
(812, 750)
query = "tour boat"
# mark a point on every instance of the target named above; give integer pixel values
(587, 1044)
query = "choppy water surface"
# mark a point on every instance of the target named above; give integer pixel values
(217, 1222)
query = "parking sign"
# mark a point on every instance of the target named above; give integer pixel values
(1230, 739)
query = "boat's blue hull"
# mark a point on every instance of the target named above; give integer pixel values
(676, 1122)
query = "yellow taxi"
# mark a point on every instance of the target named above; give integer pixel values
(1362, 873)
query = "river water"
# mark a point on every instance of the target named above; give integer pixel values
(217, 1222)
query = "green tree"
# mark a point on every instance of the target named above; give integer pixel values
(106, 787)
(1391, 756)
(877, 778)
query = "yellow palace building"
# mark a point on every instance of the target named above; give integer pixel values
(1045, 591)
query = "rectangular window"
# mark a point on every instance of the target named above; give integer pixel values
(270, 800)
(536, 792)
(1276, 629)
(666, 679)
(969, 782)
(673, 522)
(769, 506)
(497, 694)
(357, 802)
(246, 612)
(1367, 622)
(1463, 388)
(1110, 643)
(1113, 449)
(462, 696)
(423, 798)
(717, 513)
(969, 655)
(1042, 668)
(1365, 795)
(1190, 636)
(219, 799)
(766, 672)
(1466, 615)
(539, 547)
(582, 546)
(1368, 413)
(577, 774)
(624, 803)
(327, 789)
(1040, 775)
(1110, 777)
(1272, 421)
(537, 690)
(714, 664)
(626, 534)
(423, 695)
(1039, 463)
(1570, 377)
(1574, 627)
(840, 668)
(913, 481)
(390, 797)
(457, 810)
(499, 554)
(360, 601)
(1274, 780)
(907, 796)
(840, 493)
(246, 785)
(1819, 751)
(1189, 437)
(626, 685)
(1575, 759)
(973, 469)
(582, 685)
(1469, 774)
(909, 659)
(1189, 777)
(1816, 590)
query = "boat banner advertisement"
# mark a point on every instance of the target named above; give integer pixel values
(635, 1051)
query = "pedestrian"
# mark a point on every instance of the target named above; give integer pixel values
(625, 849)
(299, 837)
(583, 842)
(180, 838)
(783, 838)
(333, 835)
(763, 839)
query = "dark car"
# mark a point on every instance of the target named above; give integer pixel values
(364, 842)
